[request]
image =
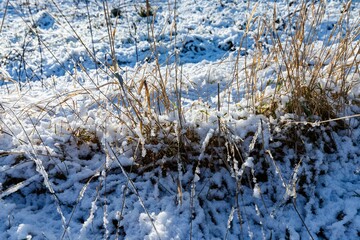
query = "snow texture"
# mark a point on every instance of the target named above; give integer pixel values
(68, 151)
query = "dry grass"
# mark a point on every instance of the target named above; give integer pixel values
(317, 79)
(310, 79)
(313, 77)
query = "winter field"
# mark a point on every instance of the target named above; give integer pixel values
(187, 119)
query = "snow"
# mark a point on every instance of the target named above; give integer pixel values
(71, 142)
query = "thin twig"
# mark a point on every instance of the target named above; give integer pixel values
(3, 19)
(134, 189)
(302, 220)
(316, 123)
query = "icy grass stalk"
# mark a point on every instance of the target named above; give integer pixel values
(254, 139)
(277, 169)
(134, 189)
(192, 210)
(78, 200)
(105, 207)
(179, 165)
(258, 213)
(205, 143)
(94, 207)
(235, 169)
(141, 139)
(18, 186)
(230, 219)
(3, 19)
(250, 233)
(192, 197)
(90, 219)
(41, 170)
(294, 180)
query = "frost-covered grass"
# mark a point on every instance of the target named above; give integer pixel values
(179, 120)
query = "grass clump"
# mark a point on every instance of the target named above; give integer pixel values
(310, 78)
(313, 72)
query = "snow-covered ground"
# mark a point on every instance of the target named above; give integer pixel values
(80, 158)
